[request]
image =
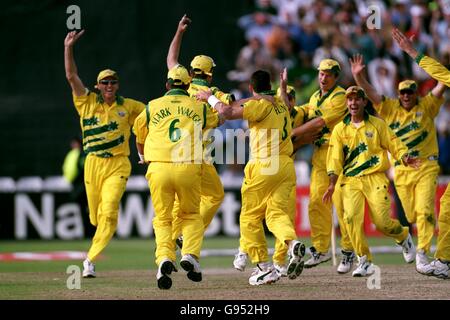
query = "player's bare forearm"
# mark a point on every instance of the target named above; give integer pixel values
(175, 45)
(283, 88)
(358, 71)
(312, 127)
(328, 195)
(140, 150)
(70, 65)
(304, 139)
(371, 92)
(438, 90)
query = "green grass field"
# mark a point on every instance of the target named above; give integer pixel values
(127, 270)
(138, 254)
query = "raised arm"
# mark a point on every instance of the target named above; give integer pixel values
(432, 67)
(174, 49)
(69, 63)
(357, 65)
(438, 90)
(404, 43)
(283, 88)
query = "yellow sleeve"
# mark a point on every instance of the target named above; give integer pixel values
(255, 110)
(335, 154)
(211, 118)
(390, 141)
(432, 104)
(337, 111)
(227, 98)
(385, 106)
(434, 69)
(140, 127)
(136, 107)
(80, 102)
(300, 116)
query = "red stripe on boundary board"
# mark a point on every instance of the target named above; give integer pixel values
(43, 256)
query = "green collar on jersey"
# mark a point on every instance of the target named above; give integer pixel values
(348, 118)
(268, 92)
(119, 99)
(326, 95)
(177, 92)
(200, 82)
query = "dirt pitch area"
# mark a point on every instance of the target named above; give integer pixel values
(321, 283)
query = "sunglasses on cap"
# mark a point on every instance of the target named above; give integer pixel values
(106, 82)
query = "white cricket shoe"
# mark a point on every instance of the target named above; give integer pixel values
(192, 266)
(421, 262)
(440, 269)
(296, 252)
(264, 273)
(88, 269)
(240, 260)
(408, 248)
(346, 264)
(163, 275)
(316, 258)
(364, 268)
(281, 269)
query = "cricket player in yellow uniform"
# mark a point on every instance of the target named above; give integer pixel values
(297, 116)
(105, 120)
(412, 120)
(440, 267)
(358, 150)
(169, 132)
(269, 178)
(326, 108)
(201, 72)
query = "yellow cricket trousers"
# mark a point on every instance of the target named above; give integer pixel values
(105, 180)
(374, 189)
(320, 214)
(266, 196)
(280, 253)
(212, 195)
(338, 202)
(443, 242)
(165, 181)
(417, 192)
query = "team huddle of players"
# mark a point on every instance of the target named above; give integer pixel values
(352, 131)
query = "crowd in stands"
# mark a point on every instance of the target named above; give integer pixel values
(298, 34)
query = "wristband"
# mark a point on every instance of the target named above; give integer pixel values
(212, 100)
(141, 157)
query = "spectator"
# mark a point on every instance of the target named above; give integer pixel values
(73, 172)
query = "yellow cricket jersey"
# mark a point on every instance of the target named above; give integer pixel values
(434, 69)
(106, 129)
(299, 115)
(171, 127)
(415, 127)
(201, 84)
(270, 127)
(331, 107)
(361, 151)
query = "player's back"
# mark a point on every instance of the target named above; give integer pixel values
(175, 123)
(270, 128)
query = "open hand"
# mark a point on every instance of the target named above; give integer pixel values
(357, 64)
